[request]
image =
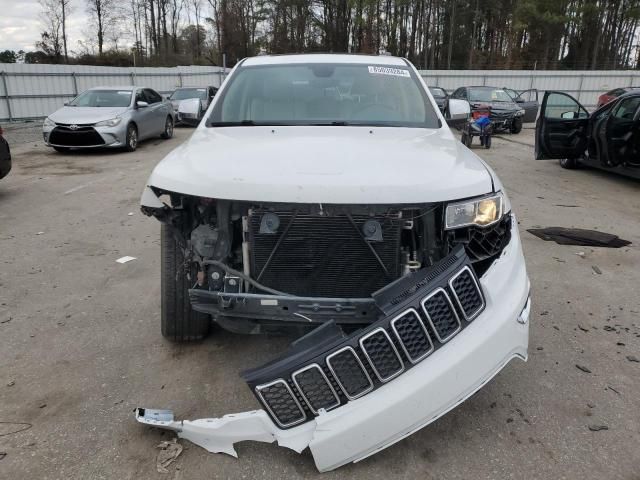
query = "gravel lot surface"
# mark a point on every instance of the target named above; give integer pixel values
(81, 346)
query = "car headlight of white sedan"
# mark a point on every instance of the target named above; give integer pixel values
(520, 113)
(112, 122)
(483, 211)
(48, 123)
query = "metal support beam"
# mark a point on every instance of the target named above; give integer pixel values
(75, 83)
(3, 74)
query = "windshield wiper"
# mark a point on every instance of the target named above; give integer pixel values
(335, 123)
(242, 123)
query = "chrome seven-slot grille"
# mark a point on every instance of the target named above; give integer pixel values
(376, 355)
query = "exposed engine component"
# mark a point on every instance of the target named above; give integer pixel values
(269, 223)
(372, 231)
(208, 242)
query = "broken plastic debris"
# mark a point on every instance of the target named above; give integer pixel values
(39, 233)
(579, 236)
(169, 451)
(130, 214)
(125, 259)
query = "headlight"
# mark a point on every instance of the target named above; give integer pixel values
(48, 123)
(482, 211)
(109, 123)
(520, 113)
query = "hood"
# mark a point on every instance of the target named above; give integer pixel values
(343, 165)
(86, 115)
(499, 107)
(190, 105)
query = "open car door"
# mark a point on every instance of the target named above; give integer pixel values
(622, 132)
(561, 128)
(528, 100)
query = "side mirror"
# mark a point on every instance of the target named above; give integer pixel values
(141, 104)
(457, 111)
(519, 100)
(569, 115)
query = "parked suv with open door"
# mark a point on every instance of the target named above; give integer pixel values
(528, 101)
(607, 138)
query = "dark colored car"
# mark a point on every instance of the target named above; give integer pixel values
(440, 96)
(5, 156)
(506, 114)
(607, 138)
(528, 100)
(613, 94)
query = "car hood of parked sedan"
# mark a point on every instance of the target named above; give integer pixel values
(85, 115)
(318, 164)
(499, 107)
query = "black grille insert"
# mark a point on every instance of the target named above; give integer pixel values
(382, 354)
(467, 293)
(412, 335)
(441, 314)
(315, 388)
(350, 373)
(281, 402)
(82, 137)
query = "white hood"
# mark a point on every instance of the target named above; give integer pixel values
(346, 165)
(85, 115)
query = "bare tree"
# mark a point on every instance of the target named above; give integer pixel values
(104, 15)
(53, 38)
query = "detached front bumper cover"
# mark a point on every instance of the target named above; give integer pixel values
(421, 394)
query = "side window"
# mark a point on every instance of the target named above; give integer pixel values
(564, 107)
(456, 94)
(152, 96)
(140, 97)
(626, 109)
(463, 93)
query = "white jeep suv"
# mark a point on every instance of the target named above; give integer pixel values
(326, 196)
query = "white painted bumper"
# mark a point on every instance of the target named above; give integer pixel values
(411, 401)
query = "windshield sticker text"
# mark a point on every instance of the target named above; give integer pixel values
(396, 72)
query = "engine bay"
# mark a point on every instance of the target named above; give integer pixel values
(255, 266)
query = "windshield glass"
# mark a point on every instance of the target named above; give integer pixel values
(185, 93)
(488, 95)
(437, 92)
(323, 94)
(102, 98)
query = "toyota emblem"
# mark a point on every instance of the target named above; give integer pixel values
(73, 127)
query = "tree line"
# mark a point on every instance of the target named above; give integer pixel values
(433, 34)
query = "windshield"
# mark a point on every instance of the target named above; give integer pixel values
(323, 94)
(437, 92)
(102, 98)
(488, 95)
(185, 93)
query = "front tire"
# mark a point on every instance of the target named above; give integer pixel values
(569, 163)
(168, 129)
(179, 322)
(516, 125)
(132, 138)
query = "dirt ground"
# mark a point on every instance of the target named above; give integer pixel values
(80, 343)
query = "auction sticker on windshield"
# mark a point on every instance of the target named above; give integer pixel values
(396, 72)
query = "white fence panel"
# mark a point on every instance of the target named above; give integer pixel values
(34, 91)
(585, 85)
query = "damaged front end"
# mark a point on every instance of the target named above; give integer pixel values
(399, 317)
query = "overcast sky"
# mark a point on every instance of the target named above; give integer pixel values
(20, 24)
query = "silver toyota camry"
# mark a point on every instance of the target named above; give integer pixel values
(115, 117)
